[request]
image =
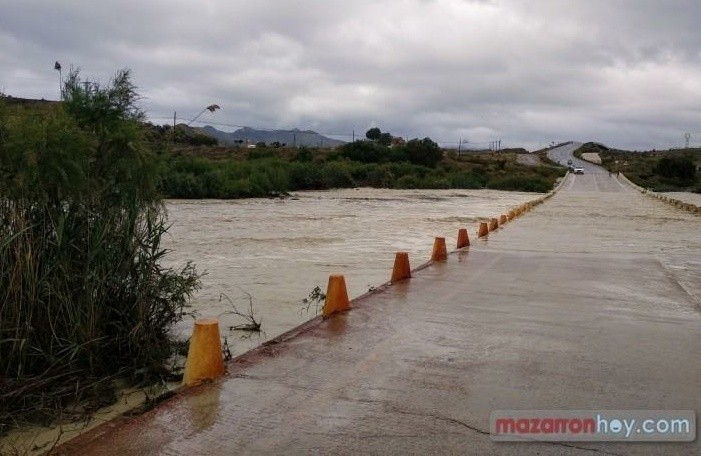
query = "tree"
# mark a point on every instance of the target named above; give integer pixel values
(385, 139)
(423, 152)
(373, 134)
(112, 119)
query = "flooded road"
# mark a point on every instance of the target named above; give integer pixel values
(588, 302)
(685, 197)
(279, 250)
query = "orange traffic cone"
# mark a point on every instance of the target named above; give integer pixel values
(401, 269)
(440, 252)
(204, 357)
(463, 239)
(336, 296)
(484, 230)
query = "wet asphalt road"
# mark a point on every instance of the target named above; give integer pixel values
(590, 301)
(564, 153)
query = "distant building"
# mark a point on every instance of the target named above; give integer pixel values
(398, 141)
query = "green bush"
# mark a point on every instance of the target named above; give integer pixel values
(200, 139)
(84, 296)
(260, 152)
(337, 175)
(467, 180)
(365, 152)
(380, 176)
(423, 152)
(305, 176)
(304, 155)
(520, 183)
(265, 176)
(408, 181)
(682, 169)
(432, 181)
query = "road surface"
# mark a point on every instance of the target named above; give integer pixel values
(564, 153)
(590, 301)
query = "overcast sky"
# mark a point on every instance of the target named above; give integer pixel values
(623, 72)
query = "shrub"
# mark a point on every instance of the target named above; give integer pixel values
(520, 183)
(433, 181)
(305, 176)
(380, 177)
(303, 155)
(337, 175)
(466, 180)
(423, 152)
(680, 168)
(365, 152)
(259, 152)
(408, 181)
(83, 293)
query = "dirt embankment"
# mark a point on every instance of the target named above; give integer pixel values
(592, 157)
(528, 160)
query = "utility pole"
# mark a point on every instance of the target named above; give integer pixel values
(294, 140)
(174, 118)
(353, 136)
(459, 146)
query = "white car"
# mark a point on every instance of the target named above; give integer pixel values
(579, 170)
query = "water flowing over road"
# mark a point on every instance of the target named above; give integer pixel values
(590, 301)
(278, 250)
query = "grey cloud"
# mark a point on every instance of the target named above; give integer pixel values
(625, 73)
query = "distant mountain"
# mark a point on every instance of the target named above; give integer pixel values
(10, 100)
(297, 137)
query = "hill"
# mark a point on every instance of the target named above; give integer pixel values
(294, 137)
(31, 102)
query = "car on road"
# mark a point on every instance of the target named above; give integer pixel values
(569, 162)
(579, 170)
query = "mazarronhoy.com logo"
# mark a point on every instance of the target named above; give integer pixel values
(593, 425)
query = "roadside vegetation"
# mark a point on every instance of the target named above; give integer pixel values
(84, 296)
(662, 171)
(234, 172)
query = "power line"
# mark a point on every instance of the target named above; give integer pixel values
(467, 145)
(287, 130)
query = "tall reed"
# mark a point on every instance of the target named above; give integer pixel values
(84, 296)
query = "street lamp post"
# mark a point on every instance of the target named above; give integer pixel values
(210, 108)
(57, 67)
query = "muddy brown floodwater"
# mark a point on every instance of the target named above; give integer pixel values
(279, 250)
(685, 197)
